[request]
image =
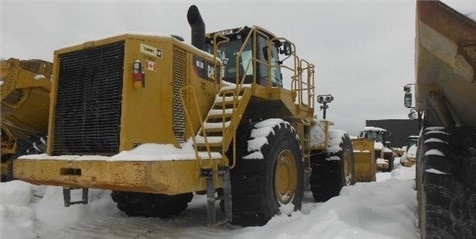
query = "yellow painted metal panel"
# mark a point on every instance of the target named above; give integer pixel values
(165, 177)
(364, 158)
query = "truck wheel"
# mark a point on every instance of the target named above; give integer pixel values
(34, 145)
(151, 205)
(332, 171)
(447, 183)
(263, 185)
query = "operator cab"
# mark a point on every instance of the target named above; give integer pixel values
(250, 55)
(376, 134)
(373, 135)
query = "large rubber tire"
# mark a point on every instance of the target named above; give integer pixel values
(151, 205)
(329, 176)
(261, 185)
(391, 162)
(35, 144)
(446, 182)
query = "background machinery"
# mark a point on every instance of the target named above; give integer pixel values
(25, 88)
(383, 153)
(156, 120)
(445, 99)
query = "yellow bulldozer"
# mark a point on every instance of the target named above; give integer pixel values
(25, 88)
(155, 120)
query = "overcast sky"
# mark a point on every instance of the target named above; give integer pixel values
(363, 50)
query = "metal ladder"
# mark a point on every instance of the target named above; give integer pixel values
(215, 135)
(67, 196)
(212, 198)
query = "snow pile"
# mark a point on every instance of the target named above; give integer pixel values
(144, 152)
(39, 77)
(17, 220)
(318, 135)
(335, 140)
(378, 145)
(259, 136)
(366, 210)
(383, 209)
(409, 154)
(372, 128)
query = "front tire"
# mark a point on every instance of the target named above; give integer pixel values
(268, 177)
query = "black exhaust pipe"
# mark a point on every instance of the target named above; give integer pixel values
(198, 27)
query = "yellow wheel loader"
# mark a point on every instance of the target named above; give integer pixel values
(25, 88)
(384, 156)
(445, 92)
(156, 120)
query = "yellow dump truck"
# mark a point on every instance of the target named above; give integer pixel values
(25, 88)
(155, 120)
(445, 102)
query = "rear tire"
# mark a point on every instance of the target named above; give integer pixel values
(261, 185)
(151, 205)
(447, 183)
(332, 171)
(391, 162)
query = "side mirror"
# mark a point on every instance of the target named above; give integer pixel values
(287, 48)
(407, 100)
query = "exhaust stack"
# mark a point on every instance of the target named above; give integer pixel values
(197, 26)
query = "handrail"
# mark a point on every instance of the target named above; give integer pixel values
(187, 116)
(215, 53)
(301, 87)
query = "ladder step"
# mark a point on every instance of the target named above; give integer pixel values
(204, 155)
(220, 112)
(67, 197)
(217, 125)
(219, 118)
(226, 99)
(212, 140)
(208, 174)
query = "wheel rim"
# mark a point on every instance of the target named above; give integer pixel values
(348, 167)
(285, 177)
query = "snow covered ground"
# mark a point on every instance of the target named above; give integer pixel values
(382, 209)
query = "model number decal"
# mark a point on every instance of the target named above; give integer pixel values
(150, 50)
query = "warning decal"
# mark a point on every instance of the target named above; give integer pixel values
(151, 66)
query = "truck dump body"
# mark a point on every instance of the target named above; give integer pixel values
(446, 99)
(446, 59)
(25, 96)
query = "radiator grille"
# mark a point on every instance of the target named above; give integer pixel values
(178, 84)
(88, 103)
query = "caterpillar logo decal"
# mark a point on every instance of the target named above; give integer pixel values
(204, 69)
